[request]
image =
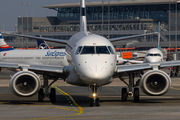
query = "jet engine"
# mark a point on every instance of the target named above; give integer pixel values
(155, 82)
(25, 83)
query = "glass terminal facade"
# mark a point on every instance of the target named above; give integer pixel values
(156, 12)
(110, 20)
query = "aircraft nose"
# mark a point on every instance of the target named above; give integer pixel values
(96, 73)
(153, 59)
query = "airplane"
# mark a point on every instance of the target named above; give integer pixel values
(151, 56)
(91, 63)
(39, 56)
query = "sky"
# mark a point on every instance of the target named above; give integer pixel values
(12, 9)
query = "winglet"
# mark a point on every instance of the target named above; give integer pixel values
(3, 45)
(159, 36)
(83, 21)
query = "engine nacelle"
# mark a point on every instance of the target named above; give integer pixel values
(155, 82)
(25, 83)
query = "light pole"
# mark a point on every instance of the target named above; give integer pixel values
(22, 21)
(102, 16)
(108, 17)
(3, 28)
(169, 25)
(15, 27)
(176, 27)
(27, 22)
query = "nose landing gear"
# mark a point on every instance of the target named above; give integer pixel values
(94, 98)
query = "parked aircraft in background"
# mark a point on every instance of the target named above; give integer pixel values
(38, 56)
(92, 63)
(151, 56)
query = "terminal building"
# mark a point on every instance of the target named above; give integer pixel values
(110, 19)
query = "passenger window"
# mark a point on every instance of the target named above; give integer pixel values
(79, 50)
(88, 50)
(102, 50)
(110, 49)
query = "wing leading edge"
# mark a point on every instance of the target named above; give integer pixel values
(39, 38)
(145, 66)
(51, 70)
(130, 37)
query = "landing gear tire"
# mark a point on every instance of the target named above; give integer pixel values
(124, 94)
(136, 94)
(171, 74)
(41, 95)
(53, 95)
(97, 102)
(91, 102)
(175, 74)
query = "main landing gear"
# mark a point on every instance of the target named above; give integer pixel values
(131, 85)
(44, 91)
(94, 98)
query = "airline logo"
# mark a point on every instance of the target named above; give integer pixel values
(4, 54)
(43, 46)
(1, 37)
(5, 47)
(55, 53)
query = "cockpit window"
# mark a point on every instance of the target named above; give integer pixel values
(110, 49)
(102, 50)
(79, 50)
(157, 55)
(150, 54)
(88, 50)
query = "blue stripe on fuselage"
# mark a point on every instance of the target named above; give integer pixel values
(6, 49)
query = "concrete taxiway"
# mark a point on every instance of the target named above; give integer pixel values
(73, 103)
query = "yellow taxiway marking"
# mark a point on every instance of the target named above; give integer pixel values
(175, 88)
(80, 111)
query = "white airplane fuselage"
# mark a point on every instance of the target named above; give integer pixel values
(45, 57)
(90, 68)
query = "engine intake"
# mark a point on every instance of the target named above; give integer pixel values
(155, 82)
(25, 83)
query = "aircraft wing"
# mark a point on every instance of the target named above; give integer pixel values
(51, 70)
(39, 38)
(131, 61)
(145, 66)
(130, 37)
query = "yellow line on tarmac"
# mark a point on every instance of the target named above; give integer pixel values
(81, 110)
(175, 88)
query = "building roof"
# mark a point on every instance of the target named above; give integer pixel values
(112, 3)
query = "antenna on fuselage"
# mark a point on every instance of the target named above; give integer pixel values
(159, 35)
(83, 21)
